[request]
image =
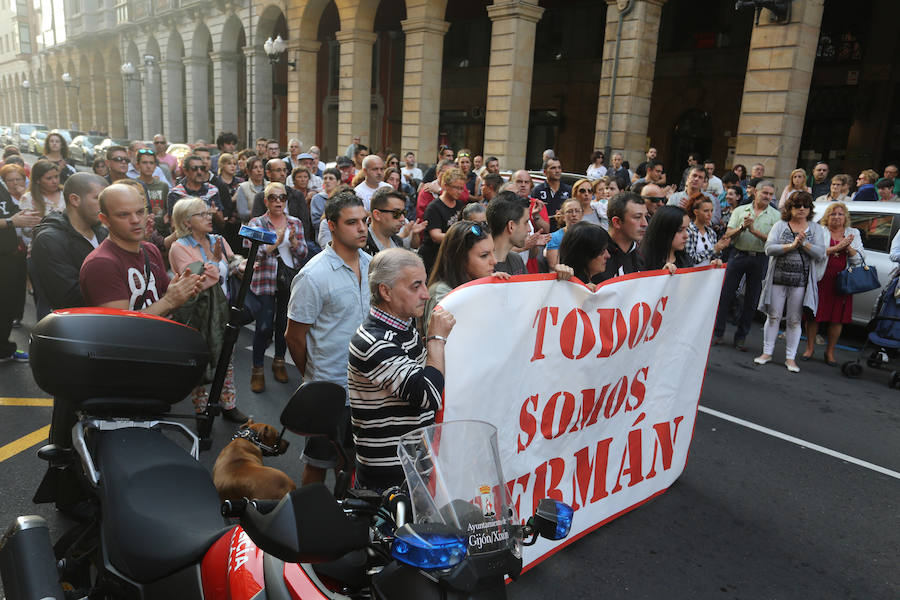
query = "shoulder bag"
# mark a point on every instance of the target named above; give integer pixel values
(855, 280)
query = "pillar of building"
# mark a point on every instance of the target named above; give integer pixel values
(20, 98)
(115, 104)
(62, 106)
(509, 80)
(776, 89)
(86, 104)
(422, 85)
(259, 93)
(355, 91)
(152, 100)
(134, 114)
(301, 89)
(196, 93)
(98, 91)
(225, 80)
(626, 84)
(173, 107)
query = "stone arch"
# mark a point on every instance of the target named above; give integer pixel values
(231, 70)
(174, 107)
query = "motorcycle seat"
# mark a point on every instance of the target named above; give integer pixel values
(160, 507)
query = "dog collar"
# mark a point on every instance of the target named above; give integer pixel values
(252, 437)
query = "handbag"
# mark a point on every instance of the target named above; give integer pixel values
(284, 276)
(855, 280)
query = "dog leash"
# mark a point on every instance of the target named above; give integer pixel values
(251, 436)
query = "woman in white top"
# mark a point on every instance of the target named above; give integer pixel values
(596, 170)
(43, 195)
(797, 184)
(702, 245)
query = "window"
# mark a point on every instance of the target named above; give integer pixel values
(24, 39)
(874, 230)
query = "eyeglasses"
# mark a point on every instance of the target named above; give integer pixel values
(277, 197)
(584, 190)
(163, 142)
(476, 230)
(463, 155)
(204, 214)
(195, 168)
(119, 159)
(146, 151)
(397, 213)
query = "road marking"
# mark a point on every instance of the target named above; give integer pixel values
(802, 443)
(24, 443)
(26, 401)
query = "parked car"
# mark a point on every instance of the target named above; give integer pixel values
(100, 149)
(36, 141)
(83, 149)
(21, 133)
(877, 223)
(6, 137)
(68, 134)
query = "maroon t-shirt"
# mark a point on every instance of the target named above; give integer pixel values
(110, 273)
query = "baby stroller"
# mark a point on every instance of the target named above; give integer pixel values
(882, 343)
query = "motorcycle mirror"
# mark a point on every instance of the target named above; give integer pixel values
(307, 525)
(551, 520)
(315, 409)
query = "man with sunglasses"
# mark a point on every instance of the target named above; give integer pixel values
(196, 185)
(653, 196)
(166, 160)
(117, 163)
(388, 227)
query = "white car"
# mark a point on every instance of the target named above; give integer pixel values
(877, 223)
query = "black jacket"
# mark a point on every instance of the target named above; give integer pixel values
(57, 252)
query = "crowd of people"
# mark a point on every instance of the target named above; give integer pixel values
(366, 248)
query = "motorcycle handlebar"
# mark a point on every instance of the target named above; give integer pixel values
(235, 509)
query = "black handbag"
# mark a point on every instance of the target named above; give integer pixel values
(284, 276)
(855, 280)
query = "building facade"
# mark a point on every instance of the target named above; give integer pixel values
(506, 77)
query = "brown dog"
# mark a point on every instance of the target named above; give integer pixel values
(240, 473)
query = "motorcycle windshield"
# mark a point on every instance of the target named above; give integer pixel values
(454, 476)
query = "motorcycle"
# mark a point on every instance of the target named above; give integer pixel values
(150, 522)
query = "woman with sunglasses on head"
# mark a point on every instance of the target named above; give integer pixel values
(473, 181)
(466, 253)
(584, 248)
(793, 247)
(197, 249)
(273, 290)
(665, 241)
(56, 150)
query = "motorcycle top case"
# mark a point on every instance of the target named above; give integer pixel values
(122, 358)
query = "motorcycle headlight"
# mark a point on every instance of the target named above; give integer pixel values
(427, 546)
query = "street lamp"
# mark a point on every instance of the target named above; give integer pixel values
(149, 61)
(275, 49)
(129, 72)
(69, 83)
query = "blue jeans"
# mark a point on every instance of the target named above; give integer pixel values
(741, 265)
(272, 316)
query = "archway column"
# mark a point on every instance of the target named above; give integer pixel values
(196, 94)
(173, 104)
(133, 108)
(48, 105)
(152, 105)
(627, 130)
(355, 91)
(514, 23)
(225, 81)
(85, 94)
(302, 91)
(422, 85)
(116, 104)
(259, 92)
(776, 89)
(62, 112)
(100, 118)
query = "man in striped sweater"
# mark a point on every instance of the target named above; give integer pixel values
(395, 379)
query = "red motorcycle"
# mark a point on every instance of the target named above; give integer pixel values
(150, 522)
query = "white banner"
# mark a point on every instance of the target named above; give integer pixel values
(594, 395)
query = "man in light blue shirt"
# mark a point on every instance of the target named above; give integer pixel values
(329, 301)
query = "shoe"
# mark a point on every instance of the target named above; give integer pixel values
(234, 415)
(805, 357)
(740, 344)
(17, 356)
(792, 368)
(830, 363)
(716, 341)
(257, 380)
(762, 359)
(279, 371)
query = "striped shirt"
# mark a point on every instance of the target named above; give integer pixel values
(391, 391)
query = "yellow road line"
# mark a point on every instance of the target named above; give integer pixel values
(24, 443)
(26, 401)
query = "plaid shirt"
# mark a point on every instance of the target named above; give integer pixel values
(265, 271)
(208, 193)
(693, 249)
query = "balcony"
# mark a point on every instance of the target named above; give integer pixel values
(134, 11)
